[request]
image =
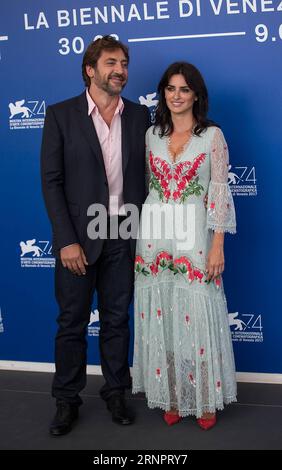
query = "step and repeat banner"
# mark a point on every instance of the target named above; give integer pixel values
(237, 45)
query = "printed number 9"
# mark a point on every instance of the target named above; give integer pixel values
(261, 33)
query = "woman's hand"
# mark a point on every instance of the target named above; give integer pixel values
(215, 259)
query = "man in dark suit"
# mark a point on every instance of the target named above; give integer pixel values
(93, 152)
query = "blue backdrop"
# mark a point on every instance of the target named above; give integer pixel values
(237, 47)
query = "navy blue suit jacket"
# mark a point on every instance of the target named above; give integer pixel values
(73, 173)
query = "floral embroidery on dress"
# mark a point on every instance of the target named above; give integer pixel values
(176, 182)
(158, 374)
(182, 265)
(192, 380)
(182, 351)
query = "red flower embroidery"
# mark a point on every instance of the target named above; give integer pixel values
(164, 261)
(191, 276)
(198, 274)
(158, 374)
(192, 380)
(176, 195)
(162, 258)
(167, 194)
(183, 261)
(154, 269)
(187, 320)
(202, 351)
(181, 185)
(139, 263)
(139, 260)
(181, 176)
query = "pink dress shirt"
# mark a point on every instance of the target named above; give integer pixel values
(110, 142)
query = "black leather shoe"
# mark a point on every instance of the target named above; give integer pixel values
(65, 416)
(120, 414)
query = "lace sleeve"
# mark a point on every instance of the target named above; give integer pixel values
(221, 212)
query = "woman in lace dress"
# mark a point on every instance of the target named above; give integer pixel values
(183, 357)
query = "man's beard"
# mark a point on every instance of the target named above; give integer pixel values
(106, 86)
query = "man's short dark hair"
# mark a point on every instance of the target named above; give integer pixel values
(94, 51)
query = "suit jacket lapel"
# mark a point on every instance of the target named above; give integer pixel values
(125, 137)
(88, 129)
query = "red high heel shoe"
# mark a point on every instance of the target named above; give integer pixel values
(206, 423)
(171, 418)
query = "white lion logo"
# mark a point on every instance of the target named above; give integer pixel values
(29, 247)
(18, 108)
(232, 176)
(233, 321)
(94, 317)
(149, 101)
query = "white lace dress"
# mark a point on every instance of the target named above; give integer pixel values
(183, 355)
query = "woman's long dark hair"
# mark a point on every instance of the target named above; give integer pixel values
(196, 82)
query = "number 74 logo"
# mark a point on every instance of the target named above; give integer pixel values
(242, 174)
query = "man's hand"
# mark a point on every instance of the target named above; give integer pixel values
(74, 259)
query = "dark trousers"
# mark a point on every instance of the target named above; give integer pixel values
(112, 276)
